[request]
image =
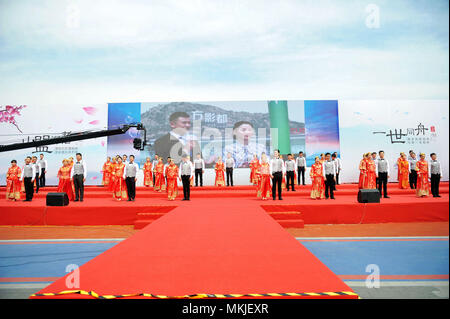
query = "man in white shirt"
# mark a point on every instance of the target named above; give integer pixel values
(290, 172)
(186, 170)
(28, 177)
(329, 171)
(35, 163)
(412, 170)
(130, 176)
(43, 164)
(382, 170)
(199, 166)
(338, 165)
(154, 163)
(78, 175)
(277, 171)
(435, 174)
(300, 163)
(229, 166)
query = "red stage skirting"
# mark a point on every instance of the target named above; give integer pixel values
(99, 208)
(227, 248)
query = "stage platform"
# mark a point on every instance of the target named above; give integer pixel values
(207, 249)
(99, 208)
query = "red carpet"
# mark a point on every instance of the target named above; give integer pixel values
(203, 247)
(99, 208)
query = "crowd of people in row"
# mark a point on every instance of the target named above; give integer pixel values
(269, 176)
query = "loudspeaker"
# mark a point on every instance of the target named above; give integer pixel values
(369, 196)
(57, 199)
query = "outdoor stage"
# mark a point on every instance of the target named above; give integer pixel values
(99, 208)
(222, 242)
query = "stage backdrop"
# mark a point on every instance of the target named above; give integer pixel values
(242, 128)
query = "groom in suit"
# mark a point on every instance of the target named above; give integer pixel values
(176, 140)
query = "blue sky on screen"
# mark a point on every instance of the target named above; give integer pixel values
(116, 51)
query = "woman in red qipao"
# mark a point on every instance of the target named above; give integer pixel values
(254, 166)
(13, 184)
(112, 168)
(119, 187)
(423, 184)
(403, 171)
(262, 176)
(106, 171)
(65, 184)
(148, 175)
(160, 183)
(220, 175)
(371, 170)
(317, 179)
(172, 175)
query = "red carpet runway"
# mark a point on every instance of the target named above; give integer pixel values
(213, 248)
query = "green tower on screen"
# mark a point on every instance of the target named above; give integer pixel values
(279, 119)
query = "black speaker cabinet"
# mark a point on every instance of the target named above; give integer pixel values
(57, 199)
(369, 196)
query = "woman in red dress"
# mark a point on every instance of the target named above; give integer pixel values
(220, 175)
(172, 176)
(160, 183)
(65, 184)
(13, 184)
(119, 187)
(423, 185)
(106, 171)
(254, 166)
(403, 171)
(148, 175)
(262, 176)
(317, 179)
(371, 171)
(112, 168)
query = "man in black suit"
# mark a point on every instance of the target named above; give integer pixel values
(175, 143)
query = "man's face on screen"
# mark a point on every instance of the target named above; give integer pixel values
(181, 125)
(244, 132)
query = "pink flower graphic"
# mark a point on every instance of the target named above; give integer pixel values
(8, 115)
(90, 110)
(94, 122)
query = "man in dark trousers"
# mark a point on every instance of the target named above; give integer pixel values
(290, 172)
(229, 166)
(35, 163)
(435, 175)
(28, 177)
(43, 164)
(277, 171)
(301, 167)
(382, 173)
(329, 171)
(412, 170)
(185, 172)
(130, 174)
(78, 175)
(199, 166)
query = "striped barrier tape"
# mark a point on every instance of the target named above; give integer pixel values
(197, 296)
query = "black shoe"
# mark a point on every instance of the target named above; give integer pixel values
(81, 200)
(279, 198)
(293, 190)
(304, 184)
(438, 196)
(129, 199)
(326, 197)
(386, 197)
(184, 199)
(332, 198)
(76, 200)
(274, 198)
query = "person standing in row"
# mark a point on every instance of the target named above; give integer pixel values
(186, 171)
(329, 171)
(382, 174)
(277, 173)
(412, 170)
(124, 159)
(435, 175)
(28, 177)
(65, 183)
(154, 163)
(130, 176)
(263, 178)
(119, 188)
(38, 172)
(199, 165)
(43, 164)
(338, 164)
(159, 184)
(13, 184)
(219, 168)
(172, 173)
(290, 172)
(423, 185)
(403, 171)
(317, 180)
(300, 162)
(148, 176)
(374, 159)
(78, 175)
(229, 166)
(106, 171)
(254, 166)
